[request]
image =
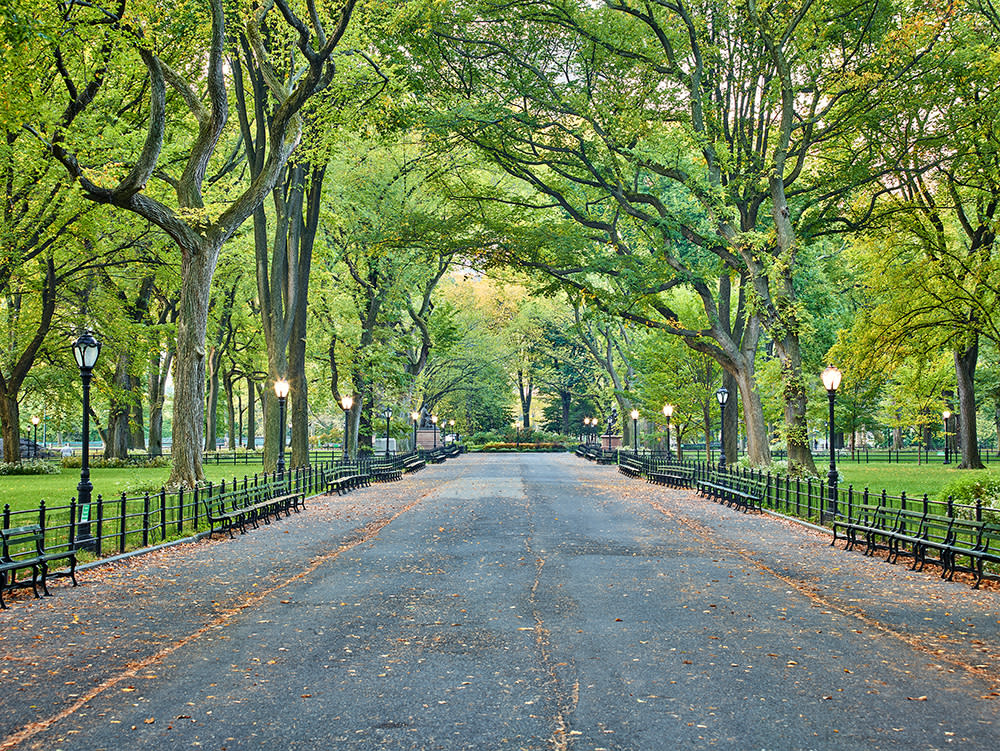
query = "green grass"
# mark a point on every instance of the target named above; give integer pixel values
(914, 479)
(25, 491)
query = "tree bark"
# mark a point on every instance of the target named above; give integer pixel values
(197, 270)
(251, 415)
(965, 376)
(119, 409)
(10, 419)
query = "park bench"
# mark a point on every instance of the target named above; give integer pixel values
(239, 508)
(580, 451)
(917, 534)
(386, 473)
(435, 456)
(979, 541)
(629, 466)
(413, 463)
(738, 492)
(675, 477)
(348, 478)
(24, 548)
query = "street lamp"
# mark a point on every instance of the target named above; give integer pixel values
(346, 402)
(415, 416)
(281, 391)
(586, 430)
(947, 455)
(434, 425)
(831, 382)
(85, 350)
(668, 411)
(635, 432)
(35, 419)
(451, 427)
(723, 396)
(612, 419)
(387, 414)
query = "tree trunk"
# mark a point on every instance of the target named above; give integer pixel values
(10, 419)
(251, 415)
(227, 385)
(212, 405)
(800, 458)
(524, 391)
(965, 376)
(189, 376)
(565, 403)
(732, 419)
(137, 422)
(119, 409)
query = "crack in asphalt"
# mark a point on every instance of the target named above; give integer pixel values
(565, 705)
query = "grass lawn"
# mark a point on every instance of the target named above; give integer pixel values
(914, 479)
(25, 491)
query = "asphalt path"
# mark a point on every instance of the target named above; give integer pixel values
(506, 602)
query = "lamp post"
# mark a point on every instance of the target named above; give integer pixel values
(451, 427)
(586, 430)
(668, 411)
(35, 419)
(947, 454)
(85, 350)
(346, 402)
(387, 414)
(831, 382)
(415, 416)
(434, 424)
(635, 433)
(281, 391)
(723, 396)
(612, 419)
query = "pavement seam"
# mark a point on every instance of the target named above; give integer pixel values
(911, 641)
(560, 738)
(369, 532)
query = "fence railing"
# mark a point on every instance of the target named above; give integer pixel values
(810, 498)
(115, 525)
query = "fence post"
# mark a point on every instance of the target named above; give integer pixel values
(180, 510)
(951, 505)
(145, 520)
(979, 509)
(72, 524)
(163, 514)
(195, 505)
(41, 517)
(121, 523)
(6, 516)
(99, 537)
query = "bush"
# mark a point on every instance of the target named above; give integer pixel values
(74, 462)
(523, 446)
(966, 491)
(34, 467)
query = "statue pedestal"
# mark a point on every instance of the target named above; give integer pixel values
(611, 442)
(425, 438)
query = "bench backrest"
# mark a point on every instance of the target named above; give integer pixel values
(989, 539)
(22, 542)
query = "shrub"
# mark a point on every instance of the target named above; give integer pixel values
(523, 446)
(74, 462)
(966, 491)
(33, 467)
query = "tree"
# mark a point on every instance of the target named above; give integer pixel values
(105, 46)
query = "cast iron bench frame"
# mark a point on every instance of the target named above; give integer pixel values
(34, 557)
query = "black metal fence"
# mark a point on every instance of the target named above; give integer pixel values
(116, 524)
(811, 499)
